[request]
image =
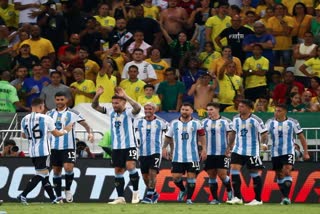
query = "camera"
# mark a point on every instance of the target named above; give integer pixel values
(14, 149)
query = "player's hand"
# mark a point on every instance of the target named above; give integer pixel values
(90, 137)
(120, 92)
(165, 153)
(228, 152)
(264, 147)
(306, 155)
(69, 127)
(203, 155)
(99, 90)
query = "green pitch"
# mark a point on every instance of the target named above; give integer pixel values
(160, 208)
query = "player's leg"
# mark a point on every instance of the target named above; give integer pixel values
(69, 158)
(223, 175)
(285, 178)
(235, 168)
(153, 165)
(213, 185)
(56, 159)
(131, 163)
(47, 185)
(254, 165)
(191, 185)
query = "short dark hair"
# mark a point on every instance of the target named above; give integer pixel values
(133, 66)
(214, 105)
(55, 72)
(258, 45)
(37, 101)
(9, 142)
(60, 94)
(45, 57)
(148, 86)
(36, 65)
(247, 102)
(187, 104)
(71, 49)
(171, 69)
(21, 66)
(281, 105)
(118, 97)
(85, 48)
(137, 49)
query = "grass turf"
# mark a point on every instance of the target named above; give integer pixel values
(160, 208)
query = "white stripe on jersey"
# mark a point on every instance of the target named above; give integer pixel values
(185, 140)
(282, 135)
(36, 127)
(150, 134)
(247, 135)
(216, 135)
(62, 119)
(122, 133)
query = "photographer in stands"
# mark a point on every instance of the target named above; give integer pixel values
(10, 149)
(83, 151)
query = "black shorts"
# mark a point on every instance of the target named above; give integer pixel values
(59, 157)
(149, 162)
(280, 161)
(217, 162)
(121, 156)
(193, 167)
(41, 163)
(252, 162)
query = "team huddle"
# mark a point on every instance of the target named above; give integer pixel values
(221, 144)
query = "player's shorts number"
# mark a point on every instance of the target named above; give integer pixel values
(156, 162)
(291, 159)
(36, 132)
(255, 160)
(71, 155)
(196, 165)
(133, 153)
(226, 162)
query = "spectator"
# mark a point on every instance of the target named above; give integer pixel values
(301, 53)
(306, 100)
(72, 15)
(146, 72)
(46, 65)
(171, 92)
(74, 41)
(313, 63)
(219, 65)
(302, 22)
(234, 35)
(280, 26)
(315, 25)
(133, 86)
(150, 10)
(120, 35)
(9, 15)
(149, 27)
(178, 47)
(254, 71)
(314, 84)
(91, 67)
(295, 104)
(217, 23)
(33, 85)
(25, 58)
(203, 91)
(11, 149)
(316, 100)
(230, 84)
(267, 16)
(261, 37)
(119, 10)
(103, 17)
(29, 10)
(290, 5)
(149, 97)
(275, 79)
(139, 42)
(264, 103)
(281, 91)
(48, 92)
(83, 151)
(236, 100)
(9, 99)
(5, 50)
(22, 35)
(39, 46)
(83, 90)
(199, 17)
(246, 7)
(159, 65)
(263, 6)
(107, 80)
(53, 26)
(188, 5)
(20, 77)
(208, 55)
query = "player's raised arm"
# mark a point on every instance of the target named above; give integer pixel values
(135, 105)
(95, 102)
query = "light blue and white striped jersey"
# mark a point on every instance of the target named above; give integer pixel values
(216, 135)
(62, 119)
(185, 141)
(122, 131)
(36, 127)
(247, 135)
(150, 134)
(283, 135)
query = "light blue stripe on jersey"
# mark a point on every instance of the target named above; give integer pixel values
(56, 142)
(30, 132)
(185, 143)
(65, 137)
(126, 129)
(158, 137)
(254, 138)
(176, 145)
(238, 128)
(280, 149)
(289, 139)
(244, 138)
(213, 137)
(223, 137)
(148, 137)
(41, 142)
(141, 136)
(194, 144)
(271, 130)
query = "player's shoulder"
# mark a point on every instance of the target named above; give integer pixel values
(270, 120)
(290, 119)
(73, 111)
(235, 117)
(225, 119)
(258, 119)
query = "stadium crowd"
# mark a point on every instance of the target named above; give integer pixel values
(165, 52)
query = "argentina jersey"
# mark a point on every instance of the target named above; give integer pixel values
(247, 135)
(62, 119)
(282, 134)
(122, 133)
(36, 127)
(185, 141)
(150, 134)
(217, 135)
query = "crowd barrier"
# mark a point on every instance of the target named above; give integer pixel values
(94, 183)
